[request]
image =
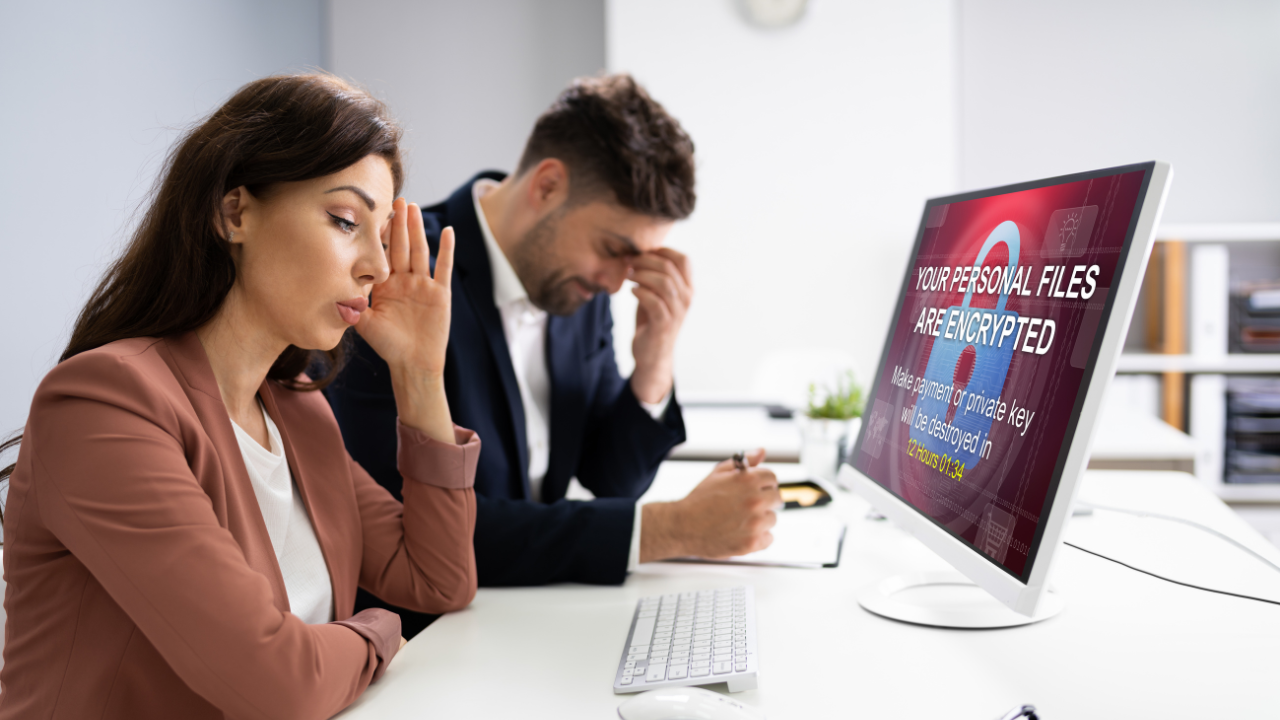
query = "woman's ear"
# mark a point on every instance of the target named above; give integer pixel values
(233, 205)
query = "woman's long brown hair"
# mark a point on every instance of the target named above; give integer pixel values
(177, 268)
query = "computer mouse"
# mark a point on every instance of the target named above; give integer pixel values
(685, 703)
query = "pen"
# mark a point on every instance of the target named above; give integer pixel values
(1020, 711)
(740, 460)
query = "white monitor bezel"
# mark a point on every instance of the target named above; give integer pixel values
(1020, 597)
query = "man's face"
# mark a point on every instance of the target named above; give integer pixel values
(577, 251)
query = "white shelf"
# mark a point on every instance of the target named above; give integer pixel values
(1227, 364)
(1248, 493)
(1220, 232)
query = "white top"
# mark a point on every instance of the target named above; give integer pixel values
(525, 327)
(306, 577)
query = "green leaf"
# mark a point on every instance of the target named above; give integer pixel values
(843, 403)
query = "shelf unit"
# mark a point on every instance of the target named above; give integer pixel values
(1252, 364)
(1194, 275)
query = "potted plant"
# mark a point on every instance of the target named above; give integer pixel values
(831, 422)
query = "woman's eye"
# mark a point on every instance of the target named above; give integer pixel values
(343, 224)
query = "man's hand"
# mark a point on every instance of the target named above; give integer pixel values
(664, 288)
(729, 513)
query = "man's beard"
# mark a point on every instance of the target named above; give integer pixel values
(538, 266)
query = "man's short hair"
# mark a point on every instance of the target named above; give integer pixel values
(616, 139)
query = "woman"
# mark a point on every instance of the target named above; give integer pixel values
(184, 531)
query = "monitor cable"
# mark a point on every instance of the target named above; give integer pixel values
(1183, 521)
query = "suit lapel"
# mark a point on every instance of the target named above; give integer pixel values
(568, 402)
(476, 281)
(238, 505)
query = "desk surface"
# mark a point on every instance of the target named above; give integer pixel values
(1127, 645)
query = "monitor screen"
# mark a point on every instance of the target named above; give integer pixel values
(990, 352)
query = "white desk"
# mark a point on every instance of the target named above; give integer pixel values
(1127, 646)
(1125, 441)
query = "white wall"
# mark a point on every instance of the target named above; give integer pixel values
(94, 94)
(465, 79)
(817, 146)
(1064, 85)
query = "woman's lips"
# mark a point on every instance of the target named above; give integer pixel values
(350, 309)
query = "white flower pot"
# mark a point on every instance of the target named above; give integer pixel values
(822, 442)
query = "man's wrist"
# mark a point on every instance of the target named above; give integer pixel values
(660, 534)
(651, 387)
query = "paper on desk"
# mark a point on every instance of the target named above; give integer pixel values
(802, 538)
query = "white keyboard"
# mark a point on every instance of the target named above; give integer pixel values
(691, 638)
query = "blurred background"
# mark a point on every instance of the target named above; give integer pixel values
(817, 143)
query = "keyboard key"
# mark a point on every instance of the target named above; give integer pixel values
(658, 672)
(701, 655)
(701, 663)
(740, 667)
(700, 671)
(626, 680)
(643, 631)
(678, 673)
(720, 668)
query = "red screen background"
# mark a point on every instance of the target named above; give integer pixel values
(1019, 471)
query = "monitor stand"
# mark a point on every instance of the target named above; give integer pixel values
(949, 600)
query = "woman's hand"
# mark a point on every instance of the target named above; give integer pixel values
(407, 322)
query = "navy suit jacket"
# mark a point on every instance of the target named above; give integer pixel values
(599, 431)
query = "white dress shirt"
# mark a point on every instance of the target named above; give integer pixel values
(306, 577)
(525, 328)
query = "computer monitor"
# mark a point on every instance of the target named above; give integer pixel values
(1012, 314)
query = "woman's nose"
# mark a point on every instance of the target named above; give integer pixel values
(374, 266)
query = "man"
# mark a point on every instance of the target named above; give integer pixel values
(530, 365)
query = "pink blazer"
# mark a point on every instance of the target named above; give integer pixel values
(141, 579)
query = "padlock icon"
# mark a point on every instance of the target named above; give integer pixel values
(942, 423)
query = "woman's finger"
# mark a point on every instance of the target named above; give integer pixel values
(444, 260)
(400, 238)
(419, 254)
